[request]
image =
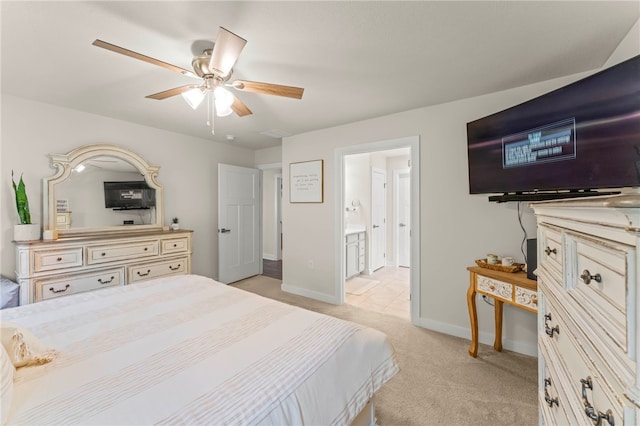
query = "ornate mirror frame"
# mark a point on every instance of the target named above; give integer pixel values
(65, 164)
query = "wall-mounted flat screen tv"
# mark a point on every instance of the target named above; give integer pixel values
(129, 195)
(579, 138)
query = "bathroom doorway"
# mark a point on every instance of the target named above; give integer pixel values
(388, 283)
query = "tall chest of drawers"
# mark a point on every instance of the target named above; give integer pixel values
(49, 269)
(589, 310)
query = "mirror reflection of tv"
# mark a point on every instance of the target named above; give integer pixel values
(569, 142)
(129, 195)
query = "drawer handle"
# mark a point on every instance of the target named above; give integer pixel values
(550, 330)
(146, 248)
(140, 274)
(174, 269)
(596, 417)
(106, 281)
(547, 397)
(62, 290)
(175, 245)
(59, 259)
(549, 250)
(587, 277)
(103, 254)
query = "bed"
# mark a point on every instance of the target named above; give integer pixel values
(190, 350)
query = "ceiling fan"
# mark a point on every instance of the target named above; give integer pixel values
(214, 67)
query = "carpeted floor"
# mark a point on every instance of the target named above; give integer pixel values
(439, 383)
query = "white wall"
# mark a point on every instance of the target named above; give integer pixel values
(456, 228)
(188, 168)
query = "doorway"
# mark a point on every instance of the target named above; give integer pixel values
(355, 211)
(272, 220)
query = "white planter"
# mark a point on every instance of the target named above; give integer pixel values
(28, 232)
(175, 226)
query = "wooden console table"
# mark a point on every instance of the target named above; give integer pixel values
(504, 287)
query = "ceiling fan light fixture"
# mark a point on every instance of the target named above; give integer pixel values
(223, 110)
(224, 98)
(194, 97)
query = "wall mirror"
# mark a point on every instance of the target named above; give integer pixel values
(101, 189)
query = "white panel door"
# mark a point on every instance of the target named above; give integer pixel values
(239, 233)
(378, 218)
(404, 219)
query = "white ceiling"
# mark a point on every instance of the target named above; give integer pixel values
(356, 60)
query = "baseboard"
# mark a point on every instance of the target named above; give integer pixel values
(309, 293)
(268, 256)
(483, 337)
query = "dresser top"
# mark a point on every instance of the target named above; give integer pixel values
(610, 201)
(107, 236)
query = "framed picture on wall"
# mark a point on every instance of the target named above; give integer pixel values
(306, 182)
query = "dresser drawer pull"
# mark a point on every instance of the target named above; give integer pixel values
(62, 290)
(175, 245)
(550, 401)
(146, 248)
(103, 254)
(549, 250)
(174, 269)
(59, 259)
(550, 330)
(587, 277)
(106, 281)
(140, 274)
(596, 417)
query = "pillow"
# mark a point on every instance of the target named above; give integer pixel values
(23, 347)
(10, 293)
(6, 383)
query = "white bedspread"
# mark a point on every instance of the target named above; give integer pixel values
(189, 350)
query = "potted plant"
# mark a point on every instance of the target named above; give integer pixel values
(174, 224)
(25, 231)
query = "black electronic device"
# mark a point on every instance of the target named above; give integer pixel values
(567, 143)
(129, 195)
(532, 258)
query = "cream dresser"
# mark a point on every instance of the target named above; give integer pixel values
(48, 269)
(589, 310)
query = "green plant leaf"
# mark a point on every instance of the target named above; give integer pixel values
(22, 202)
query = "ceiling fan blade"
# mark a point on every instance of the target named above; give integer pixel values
(240, 108)
(139, 56)
(172, 92)
(268, 89)
(226, 51)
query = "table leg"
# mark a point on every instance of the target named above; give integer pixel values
(497, 344)
(473, 315)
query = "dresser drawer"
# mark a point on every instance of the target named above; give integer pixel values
(553, 403)
(599, 284)
(114, 252)
(158, 269)
(175, 245)
(550, 243)
(48, 260)
(582, 379)
(63, 286)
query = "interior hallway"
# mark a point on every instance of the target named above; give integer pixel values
(387, 291)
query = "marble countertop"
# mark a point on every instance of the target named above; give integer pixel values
(353, 229)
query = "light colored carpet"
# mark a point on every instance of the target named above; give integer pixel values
(439, 383)
(359, 285)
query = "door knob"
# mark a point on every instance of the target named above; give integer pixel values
(376, 226)
(224, 231)
(402, 225)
